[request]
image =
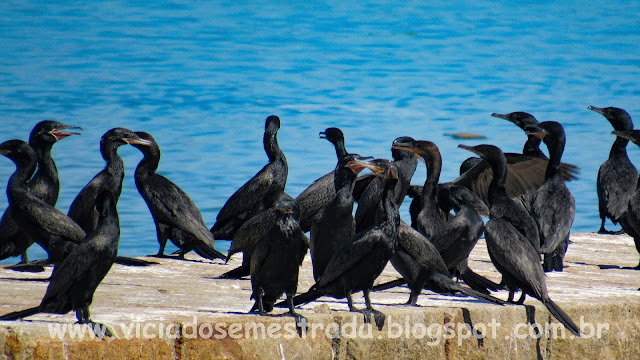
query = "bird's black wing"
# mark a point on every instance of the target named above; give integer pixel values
(615, 189)
(421, 249)
(170, 205)
(252, 230)
(349, 255)
(524, 174)
(369, 200)
(56, 222)
(315, 197)
(247, 195)
(554, 212)
(81, 209)
(513, 253)
(362, 182)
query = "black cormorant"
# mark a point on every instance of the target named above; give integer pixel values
(257, 194)
(175, 215)
(322, 191)
(510, 248)
(44, 185)
(422, 267)
(276, 260)
(453, 236)
(369, 211)
(110, 178)
(356, 265)
(630, 221)
(49, 227)
(246, 238)
(552, 205)
(617, 176)
(335, 223)
(75, 279)
(522, 120)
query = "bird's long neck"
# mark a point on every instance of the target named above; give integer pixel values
(496, 188)
(434, 167)
(391, 220)
(344, 178)
(46, 165)
(341, 151)
(45, 184)
(532, 147)
(406, 169)
(555, 153)
(619, 148)
(271, 147)
(109, 152)
(18, 180)
(149, 163)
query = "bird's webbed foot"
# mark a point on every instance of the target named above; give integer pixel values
(604, 231)
(160, 255)
(101, 330)
(378, 317)
(413, 299)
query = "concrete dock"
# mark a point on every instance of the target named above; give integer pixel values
(180, 310)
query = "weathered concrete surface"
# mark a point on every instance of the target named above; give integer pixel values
(140, 304)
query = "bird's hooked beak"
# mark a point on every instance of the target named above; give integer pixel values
(323, 135)
(470, 148)
(501, 116)
(596, 109)
(137, 141)
(535, 131)
(383, 167)
(407, 146)
(360, 163)
(61, 131)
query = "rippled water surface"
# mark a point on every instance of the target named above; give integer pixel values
(201, 78)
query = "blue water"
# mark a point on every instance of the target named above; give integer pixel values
(201, 77)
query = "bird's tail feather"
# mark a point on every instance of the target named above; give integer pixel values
(481, 296)
(301, 299)
(564, 319)
(128, 261)
(208, 252)
(478, 282)
(20, 314)
(389, 285)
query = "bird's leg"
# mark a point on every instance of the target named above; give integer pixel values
(522, 297)
(301, 322)
(350, 302)
(367, 316)
(413, 299)
(609, 232)
(260, 302)
(81, 316)
(510, 298)
(378, 317)
(23, 258)
(162, 240)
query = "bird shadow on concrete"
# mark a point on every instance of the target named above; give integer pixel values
(531, 320)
